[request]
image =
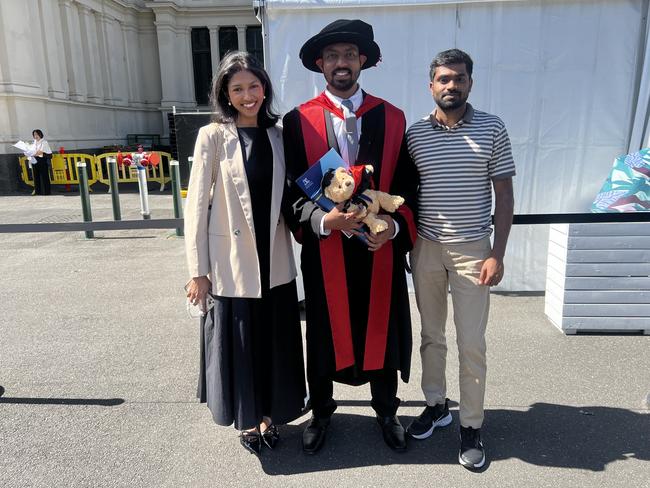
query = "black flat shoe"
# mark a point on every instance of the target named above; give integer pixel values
(393, 432)
(314, 435)
(271, 436)
(251, 440)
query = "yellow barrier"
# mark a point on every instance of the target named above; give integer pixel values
(126, 174)
(25, 171)
(63, 170)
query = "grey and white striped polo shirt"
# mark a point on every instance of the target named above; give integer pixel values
(456, 166)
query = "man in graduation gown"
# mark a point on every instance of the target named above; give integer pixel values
(356, 297)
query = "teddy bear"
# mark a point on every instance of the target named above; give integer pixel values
(353, 187)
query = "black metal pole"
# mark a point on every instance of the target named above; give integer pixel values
(115, 192)
(176, 193)
(82, 174)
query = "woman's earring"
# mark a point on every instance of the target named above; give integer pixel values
(229, 103)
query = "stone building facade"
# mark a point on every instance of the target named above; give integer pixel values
(89, 72)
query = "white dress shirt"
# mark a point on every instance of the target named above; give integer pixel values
(339, 124)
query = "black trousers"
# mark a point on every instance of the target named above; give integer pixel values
(41, 173)
(383, 388)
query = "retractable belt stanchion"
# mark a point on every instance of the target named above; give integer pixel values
(85, 196)
(176, 192)
(113, 181)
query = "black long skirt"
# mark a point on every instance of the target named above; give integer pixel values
(252, 360)
(41, 172)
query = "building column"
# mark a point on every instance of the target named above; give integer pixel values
(38, 39)
(166, 38)
(173, 75)
(149, 83)
(214, 47)
(130, 63)
(138, 67)
(241, 37)
(90, 47)
(189, 66)
(52, 38)
(118, 70)
(101, 21)
(73, 51)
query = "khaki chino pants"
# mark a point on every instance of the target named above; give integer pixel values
(436, 268)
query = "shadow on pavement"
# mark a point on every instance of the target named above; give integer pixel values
(560, 436)
(102, 402)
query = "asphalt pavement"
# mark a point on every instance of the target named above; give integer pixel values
(99, 360)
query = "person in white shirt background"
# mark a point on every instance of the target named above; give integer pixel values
(40, 158)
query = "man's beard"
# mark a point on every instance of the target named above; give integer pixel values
(344, 85)
(452, 104)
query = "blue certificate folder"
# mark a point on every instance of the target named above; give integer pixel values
(310, 182)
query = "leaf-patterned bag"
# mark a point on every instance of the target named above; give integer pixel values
(627, 188)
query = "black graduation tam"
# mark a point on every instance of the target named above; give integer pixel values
(351, 31)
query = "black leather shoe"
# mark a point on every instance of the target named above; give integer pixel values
(251, 440)
(271, 436)
(314, 435)
(394, 434)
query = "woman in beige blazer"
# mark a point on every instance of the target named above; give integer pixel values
(240, 259)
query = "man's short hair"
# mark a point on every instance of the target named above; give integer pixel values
(451, 56)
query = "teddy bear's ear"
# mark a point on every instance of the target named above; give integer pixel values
(369, 168)
(341, 169)
(327, 179)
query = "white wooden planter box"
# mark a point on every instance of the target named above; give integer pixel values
(598, 277)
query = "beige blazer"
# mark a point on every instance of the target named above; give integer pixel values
(220, 243)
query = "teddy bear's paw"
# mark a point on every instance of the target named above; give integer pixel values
(378, 226)
(394, 203)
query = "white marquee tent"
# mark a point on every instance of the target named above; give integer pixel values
(571, 80)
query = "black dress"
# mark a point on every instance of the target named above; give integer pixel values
(251, 348)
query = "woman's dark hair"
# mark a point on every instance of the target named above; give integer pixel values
(451, 56)
(232, 63)
(39, 132)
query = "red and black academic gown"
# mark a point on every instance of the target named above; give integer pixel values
(357, 304)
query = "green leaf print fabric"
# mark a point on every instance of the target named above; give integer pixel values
(627, 189)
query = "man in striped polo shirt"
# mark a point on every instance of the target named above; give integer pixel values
(461, 154)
